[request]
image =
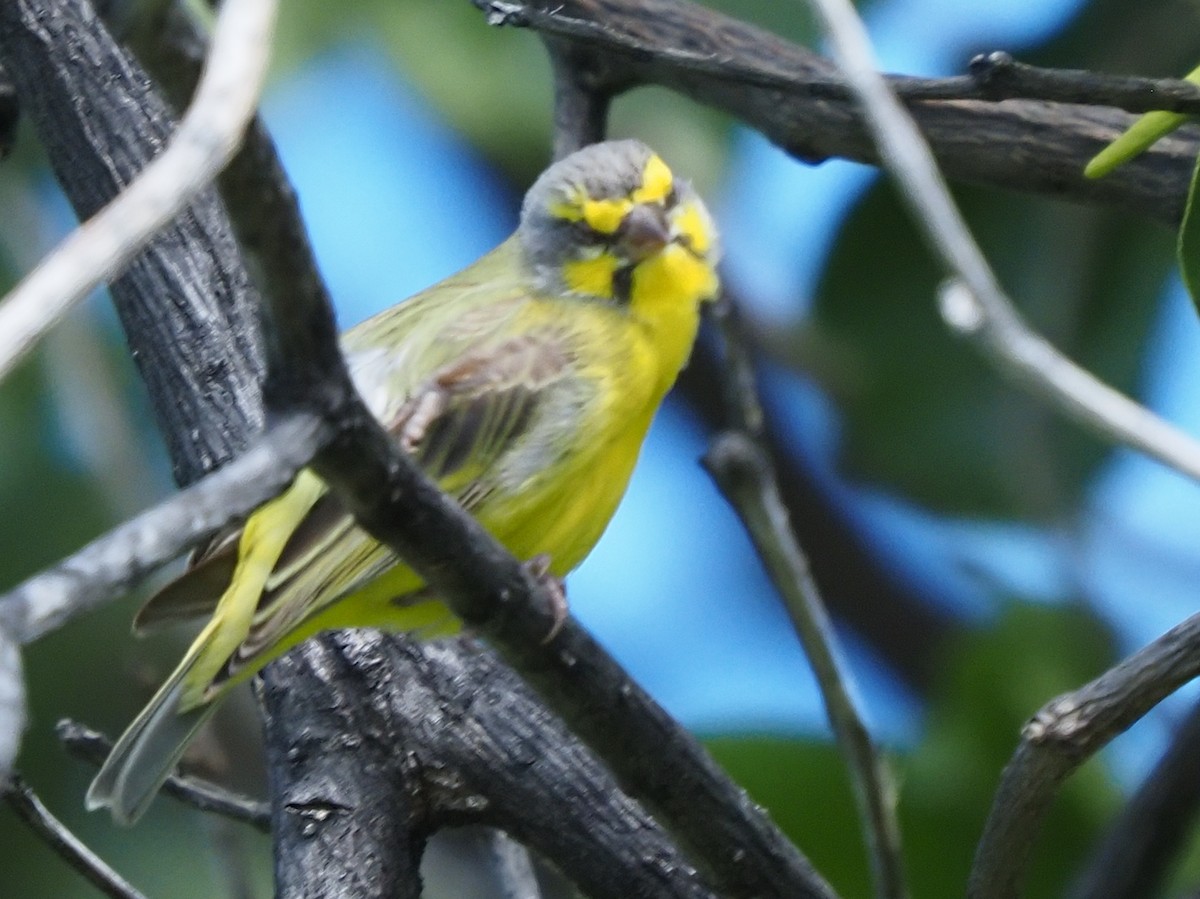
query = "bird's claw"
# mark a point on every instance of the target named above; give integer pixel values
(539, 568)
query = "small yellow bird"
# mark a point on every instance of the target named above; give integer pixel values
(524, 385)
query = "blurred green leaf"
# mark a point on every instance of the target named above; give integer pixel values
(1138, 137)
(803, 785)
(1188, 247)
(925, 413)
(993, 681)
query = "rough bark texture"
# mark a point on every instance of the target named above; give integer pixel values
(186, 302)
(477, 747)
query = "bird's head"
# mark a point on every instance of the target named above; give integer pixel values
(611, 222)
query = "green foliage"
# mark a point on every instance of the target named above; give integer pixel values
(923, 411)
(1188, 246)
(992, 682)
(1138, 138)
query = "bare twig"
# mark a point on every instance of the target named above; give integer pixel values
(206, 138)
(68, 846)
(739, 463)
(110, 565)
(93, 747)
(1000, 77)
(744, 474)
(12, 701)
(1061, 737)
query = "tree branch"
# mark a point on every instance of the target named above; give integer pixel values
(1133, 857)
(799, 100)
(489, 754)
(64, 843)
(205, 139)
(1062, 736)
(739, 464)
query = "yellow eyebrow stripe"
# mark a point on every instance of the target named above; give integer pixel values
(656, 181)
(605, 216)
(696, 227)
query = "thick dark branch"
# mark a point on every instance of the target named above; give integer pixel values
(797, 99)
(489, 754)
(1060, 738)
(198, 353)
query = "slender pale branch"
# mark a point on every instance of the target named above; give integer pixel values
(974, 304)
(110, 565)
(207, 136)
(745, 477)
(742, 469)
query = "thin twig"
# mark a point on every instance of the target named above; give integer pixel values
(110, 565)
(741, 466)
(1000, 77)
(744, 474)
(206, 138)
(68, 846)
(1061, 737)
(13, 714)
(93, 747)
(974, 304)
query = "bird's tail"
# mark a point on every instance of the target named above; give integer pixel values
(147, 751)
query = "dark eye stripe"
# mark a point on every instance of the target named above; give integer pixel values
(622, 283)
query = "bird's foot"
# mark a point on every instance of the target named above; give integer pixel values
(539, 568)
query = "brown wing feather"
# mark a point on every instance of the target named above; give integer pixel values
(458, 425)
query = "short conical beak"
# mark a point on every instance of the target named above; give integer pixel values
(645, 231)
